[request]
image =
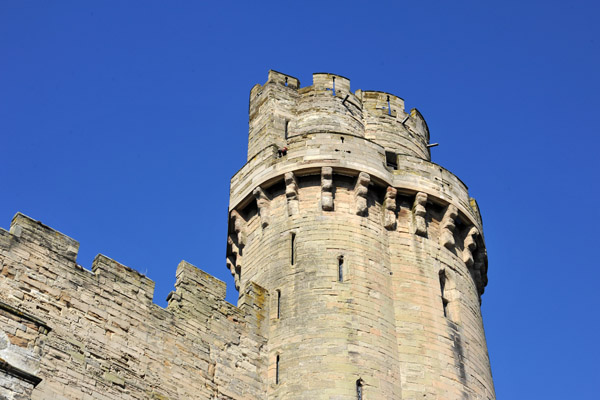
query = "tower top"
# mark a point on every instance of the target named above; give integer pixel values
(307, 130)
(280, 109)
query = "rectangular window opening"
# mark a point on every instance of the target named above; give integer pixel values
(341, 269)
(359, 389)
(391, 159)
(287, 123)
(277, 370)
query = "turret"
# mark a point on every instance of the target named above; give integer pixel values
(373, 256)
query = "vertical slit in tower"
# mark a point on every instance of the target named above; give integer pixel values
(277, 370)
(341, 269)
(278, 303)
(442, 286)
(359, 389)
(292, 249)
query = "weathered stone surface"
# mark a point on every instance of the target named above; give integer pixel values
(360, 193)
(447, 227)
(326, 189)
(239, 227)
(390, 208)
(470, 246)
(419, 211)
(351, 272)
(262, 202)
(107, 339)
(291, 192)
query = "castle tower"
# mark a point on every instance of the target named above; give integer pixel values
(373, 256)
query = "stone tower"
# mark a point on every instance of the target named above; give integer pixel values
(372, 255)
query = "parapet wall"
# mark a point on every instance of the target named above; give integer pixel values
(280, 110)
(68, 333)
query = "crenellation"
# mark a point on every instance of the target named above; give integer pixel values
(107, 337)
(191, 281)
(34, 232)
(376, 103)
(272, 113)
(417, 124)
(127, 281)
(324, 82)
(283, 79)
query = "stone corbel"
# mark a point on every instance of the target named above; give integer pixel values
(263, 203)
(447, 227)
(389, 205)
(470, 246)
(360, 193)
(419, 211)
(235, 272)
(291, 193)
(239, 228)
(327, 189)
(479, 269)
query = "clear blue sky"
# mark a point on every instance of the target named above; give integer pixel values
(121, 124)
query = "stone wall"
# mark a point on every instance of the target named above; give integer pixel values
(360, 265)
(70, 333)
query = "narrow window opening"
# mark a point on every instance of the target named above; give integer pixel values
(445, 305)
(359, 389)
(342, 139)
(277, 370)
(286, 82)
(292, 249)
(341, 269)
(442, 287)
(278, 304)
(287, 122)
(391, 159)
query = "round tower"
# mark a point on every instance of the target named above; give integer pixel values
(372, 255)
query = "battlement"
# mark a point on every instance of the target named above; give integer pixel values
(97, 317)
(28, 236)
(35, 233)
(280, 109)
(324, 82)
